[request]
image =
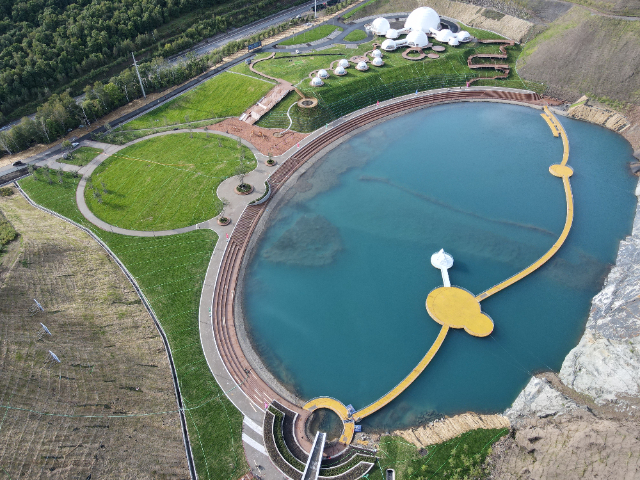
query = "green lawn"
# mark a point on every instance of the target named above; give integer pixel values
(165, 182)
(311, 35)
(225, 95)
(355, 36)
(460, 458)
(81, 156)
(342, 95)
(170, 271)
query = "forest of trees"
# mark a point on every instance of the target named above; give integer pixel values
(61, 113)
(47, 46)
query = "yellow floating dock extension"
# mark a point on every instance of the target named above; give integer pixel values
(552, 125)
(563, 171)
(402, 386)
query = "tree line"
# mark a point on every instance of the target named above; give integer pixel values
(47, 44)
(61, 113)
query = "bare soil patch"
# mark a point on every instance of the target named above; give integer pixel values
(262, 138)
(108, 409)
(569, 447)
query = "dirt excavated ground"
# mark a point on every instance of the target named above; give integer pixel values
(108, 409)
(569, 447)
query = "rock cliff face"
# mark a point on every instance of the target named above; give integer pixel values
(605, 365)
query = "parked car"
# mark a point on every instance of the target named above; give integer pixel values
(74, 144)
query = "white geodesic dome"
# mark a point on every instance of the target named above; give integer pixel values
(463, 36)
(453, 41)
(443, 35)
(344, 63)
(340, 70)
(422, 19)
(377, 62)
(362, 66)
(417, 38)
(392, 33)
(322, 73)
(376, 53)
(388, 45)
(316, 82)
(380, 26)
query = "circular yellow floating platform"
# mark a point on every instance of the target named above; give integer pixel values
(458, 308)
(560, 170)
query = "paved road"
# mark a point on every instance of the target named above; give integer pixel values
(222, 39)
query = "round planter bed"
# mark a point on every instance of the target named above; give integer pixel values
(244, 189)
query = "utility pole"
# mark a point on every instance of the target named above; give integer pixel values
(136, 65)
(315, 8)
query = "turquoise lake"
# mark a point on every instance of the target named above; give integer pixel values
(334, 295)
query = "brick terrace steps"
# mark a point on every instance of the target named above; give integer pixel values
(224, 294)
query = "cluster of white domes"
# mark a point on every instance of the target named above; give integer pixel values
(419, 23)
(362, 66)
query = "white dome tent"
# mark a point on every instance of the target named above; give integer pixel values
(463, 36)
(376, 53)
(340, 71)
(453, 41)
(316, 82)
(362, 66)
(323, 73)
(443, 35)
(377, 62)
(417, 39)
(389, 45)
(380, 26)
(392, 33)
(422, 19)
(344, 63)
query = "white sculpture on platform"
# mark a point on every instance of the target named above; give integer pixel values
(443, 261)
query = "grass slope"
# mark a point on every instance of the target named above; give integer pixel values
(165, 182)
(170, 271)
(225, 95)
(81, 156)
(7, 232)
(311, 35)
(355, 36)
(460, 458)
(581, 53)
